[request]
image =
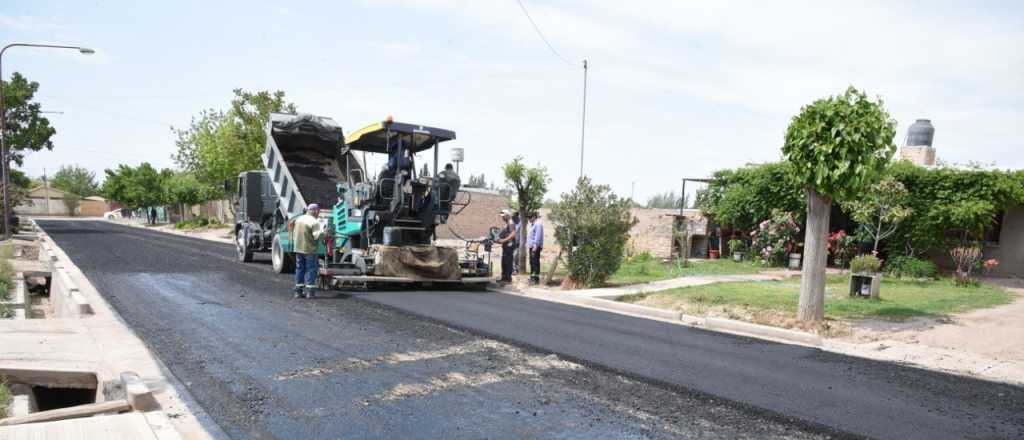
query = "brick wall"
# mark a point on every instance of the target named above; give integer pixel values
(653, 232)
(476, 218)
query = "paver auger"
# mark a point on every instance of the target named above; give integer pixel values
(383, 228)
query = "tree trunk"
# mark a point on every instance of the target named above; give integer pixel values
(523, 252)
(812, 283)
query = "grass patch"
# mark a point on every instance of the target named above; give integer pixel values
(645, 270)
(5, 397)
(6, 278)
(900, 299)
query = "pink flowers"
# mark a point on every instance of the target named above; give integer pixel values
(990, 264)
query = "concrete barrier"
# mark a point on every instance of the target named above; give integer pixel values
(67, 300)
(137, 393)
(23, 401)
(746, 328)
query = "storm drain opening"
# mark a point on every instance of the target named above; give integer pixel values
(52, 389)
(48, 398)
(38, 290)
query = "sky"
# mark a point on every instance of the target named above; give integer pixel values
(675, 89)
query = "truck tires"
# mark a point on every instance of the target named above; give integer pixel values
(282, 261)
(242, 245)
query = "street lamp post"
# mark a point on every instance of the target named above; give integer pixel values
(5, 165)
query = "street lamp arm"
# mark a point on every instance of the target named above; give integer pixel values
(53, 46)
(5, 166)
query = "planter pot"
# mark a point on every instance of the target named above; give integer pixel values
(737, 257)
(713, 254)
(865, 284)
(794, 261)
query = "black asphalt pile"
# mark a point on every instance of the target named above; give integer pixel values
(264, 365)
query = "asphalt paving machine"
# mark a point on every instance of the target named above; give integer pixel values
(382, 227)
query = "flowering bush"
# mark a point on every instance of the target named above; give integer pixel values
(842, 246)
(775, 238)
(966, 258)
(990, 264)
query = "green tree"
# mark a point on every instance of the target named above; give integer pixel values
(184, 190)
(76, 180)
(837, 146)
(25, 129)
(218, 145)
(592, 224)
(71, 202)
(529, 185)
(880, 209)
(666, 200)
(136, 187)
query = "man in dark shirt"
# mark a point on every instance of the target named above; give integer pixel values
(507, 240)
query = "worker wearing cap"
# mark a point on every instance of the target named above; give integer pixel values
(507, 240)
(305, 235)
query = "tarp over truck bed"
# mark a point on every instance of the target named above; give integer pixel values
(303, 157)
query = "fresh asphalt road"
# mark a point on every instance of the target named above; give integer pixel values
(480, 364)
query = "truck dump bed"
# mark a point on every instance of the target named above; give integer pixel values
(304, 161)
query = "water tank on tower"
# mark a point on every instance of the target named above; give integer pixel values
(918, 147)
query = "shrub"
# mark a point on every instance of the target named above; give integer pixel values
(866, 264)
(592, 224)
(737, 245)
(775, 238)
(910, 267)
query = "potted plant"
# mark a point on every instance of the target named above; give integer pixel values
(738, 249)
(795, 256)
(866, 278)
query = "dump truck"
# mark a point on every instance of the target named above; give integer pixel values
(382, 227)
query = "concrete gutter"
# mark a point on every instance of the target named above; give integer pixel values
(103, 345)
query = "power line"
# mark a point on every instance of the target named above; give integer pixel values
(541, 34)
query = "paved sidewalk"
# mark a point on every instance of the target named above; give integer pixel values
(102, 344)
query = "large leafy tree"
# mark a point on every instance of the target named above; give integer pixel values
(185, 190)
(75, 180)
(25, 129)
(218, 145)
(530, 184)
(837, 146)
(592, 224)
(137, 187)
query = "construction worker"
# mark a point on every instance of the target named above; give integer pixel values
(305, 235)
(507, 240)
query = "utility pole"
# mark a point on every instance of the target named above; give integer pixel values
(583, 124)
(46, 191)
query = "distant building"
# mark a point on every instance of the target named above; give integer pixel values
(93, 206)
(43, 200)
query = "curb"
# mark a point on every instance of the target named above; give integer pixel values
(775, 333)
(721, 325)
